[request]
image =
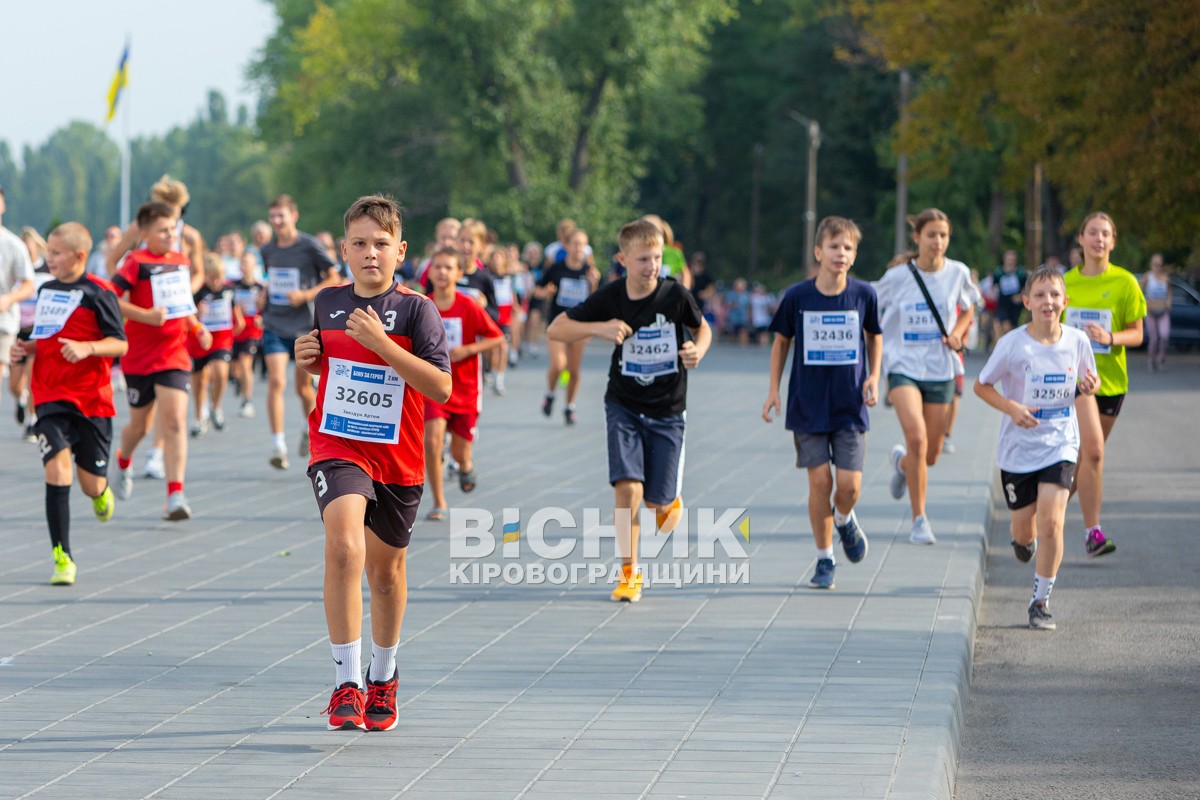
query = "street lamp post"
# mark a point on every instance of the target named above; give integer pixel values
(810, 211)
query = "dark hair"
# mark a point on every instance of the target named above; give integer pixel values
(836, 226)
(284, 201)
(1042, 273)
(447, 251)
(1098, 215)
(381, 208)
(919, 221)
(154, 210)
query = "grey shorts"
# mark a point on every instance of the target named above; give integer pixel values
(648, 450)
(845, 449)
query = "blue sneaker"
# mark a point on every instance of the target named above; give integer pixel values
(854, 540)
(823, 577)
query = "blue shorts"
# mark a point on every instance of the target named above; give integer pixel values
(273, 343)
(648, 450)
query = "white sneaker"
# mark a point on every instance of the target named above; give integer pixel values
(899, 482)
(218, 419)
(498, 385)
(303, 448)
(279, 459)
(247, 410)
(177, 508)
(921, 532)
(199, 428)
(125, 483)
(155, 468)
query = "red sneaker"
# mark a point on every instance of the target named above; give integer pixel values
(346, 708)
(381, 703)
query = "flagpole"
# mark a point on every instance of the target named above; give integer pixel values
(125, 157)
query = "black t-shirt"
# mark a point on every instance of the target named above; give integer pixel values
(572, 285)
(700, 282)
(670, 304)
(481, 281)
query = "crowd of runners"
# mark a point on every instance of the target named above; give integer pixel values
(391, 352)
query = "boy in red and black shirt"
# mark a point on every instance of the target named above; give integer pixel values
(76, 334)
(246, 343)
(156, 286)
(379, 350)
(222, 317)
(469, 332)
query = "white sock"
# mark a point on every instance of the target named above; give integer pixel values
(1088, 533)
(278, 440)
(383, 662)
(841, 519)
(347, 659)
(825, 552)
(1042, 588)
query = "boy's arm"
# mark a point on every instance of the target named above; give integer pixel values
(426, 378)
(475, 348)
(146, 316)
(108, 347)
(691, 352)
(779, 354)
(874, 365)
(239, 319)
(1021, 415)
(565, 329)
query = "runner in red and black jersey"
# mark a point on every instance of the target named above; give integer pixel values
(379, 351)
(157, 286)
(220, 314)
(470, 332)
(76, 333)
(246, 343)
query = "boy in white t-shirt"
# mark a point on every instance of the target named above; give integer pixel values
(1041, 366)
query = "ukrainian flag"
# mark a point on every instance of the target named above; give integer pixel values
(119, 81)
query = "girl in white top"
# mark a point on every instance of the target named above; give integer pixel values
(1039, 366)
(919, 361)
(1156, 285)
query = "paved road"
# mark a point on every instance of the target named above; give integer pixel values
(1107, 706)
(190, 660)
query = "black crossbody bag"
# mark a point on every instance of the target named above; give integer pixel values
(937, 317)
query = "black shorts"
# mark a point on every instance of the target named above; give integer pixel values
(208, 358)
(391, 509)
(1110, 406)
(1009, 310)
(88, 438)
(140, 388)
(1021, 488)
(247, 347)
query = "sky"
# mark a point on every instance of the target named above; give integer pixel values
(58, 58)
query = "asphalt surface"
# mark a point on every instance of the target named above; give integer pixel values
(1108, 705)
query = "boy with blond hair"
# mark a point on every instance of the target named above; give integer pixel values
(659, 334)
(76, 334)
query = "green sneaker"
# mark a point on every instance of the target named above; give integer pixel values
(104, 505)
(64, 568)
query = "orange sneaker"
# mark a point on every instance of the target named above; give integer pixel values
(629, 590)
(667, 518)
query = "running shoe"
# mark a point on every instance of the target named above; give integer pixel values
(569, 416)
(1024, 552)
(218, 419)
(177, 508)
(498, 385)
(22, 403)
(199, 428)
(1039, 617)
(899, 482)
(247, 410)
(629, 590)
(303, 448)
(1097, 544)
(30, 435)
(155, 468)
(125, 482)
(104, 505)
(667, 518)
(948, 447)
(64, 568)
(466, 480)
(921, 532)
(854, 539)
(380, 713)
(279, 459)
(823, 577)
(345, 708)
(547, 405)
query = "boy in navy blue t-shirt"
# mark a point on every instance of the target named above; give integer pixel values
(835, 376)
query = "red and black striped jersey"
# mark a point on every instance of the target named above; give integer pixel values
(365, 412)
(466, 322)
(153, 348)
(86, 384)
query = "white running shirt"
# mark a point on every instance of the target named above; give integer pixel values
(1041, 376)
(912, 344)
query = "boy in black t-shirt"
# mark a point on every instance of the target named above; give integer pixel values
(647, 386)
